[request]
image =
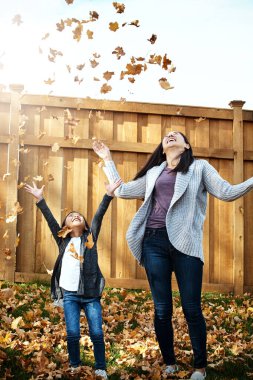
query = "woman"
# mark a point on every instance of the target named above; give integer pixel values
(165, 235)
(76, 277)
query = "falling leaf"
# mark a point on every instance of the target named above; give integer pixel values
(93, 63)
(64, 232)
(105, 88)
(17, 241)
(172, 69)
(69, 167)
(119, 7)
(94, 15)
(55, 147)
(96, 55)
(119, 52)
(165, 84)
(113, 26)
(78, 80)
(49, 81)
(21, 185)
(131, 80)
(72, 248)
(108, 74)
(75, 139)
(134, 69)
(155, 59)
(77, 32)
(7, 253)
(16, 163)
(69, 1)
(68, 68)
(166, 62)
(6, 235)
(6, 175)
(80, 67)
(38, 178)
(17, 20)
(89, 34)
(153, 39)
(135, 23)
(45, 36)
(50, 177)
(89, 243)
(200, 119)
(179, 111)
(41, 134)
(96, 79)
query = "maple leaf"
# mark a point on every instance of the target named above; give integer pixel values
(120, 8)
(89, 243)
(113, 26)
(17, 19)
(89, 34)
(55, 147)
(134, 69)
(166, 62)
(105, 88)
(108, 75)
(60, 26)
(153, 39)
(119, 52)
(64, 232)
(165, 84)
(93, 63)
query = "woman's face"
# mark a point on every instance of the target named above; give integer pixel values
(174, 140)
(74, 219)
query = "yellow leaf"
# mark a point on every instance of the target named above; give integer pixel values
(16, 322)
(113, 26)
(64, 232)
(89, 243)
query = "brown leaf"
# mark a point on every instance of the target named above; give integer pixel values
(6, 293)
(105, 88)
(80, 67)
(93, 63)
(155, 59)
(165, 84)
(119, 52)
(49, 81)
(108, 74)
(113, 26)
(153, 39)
(131, 80)
(77, 79)
(77, 32)
(89, 34)
(21, 185)
(94, 15)
(135, 23)
(50, 177)
(68, 68)
(69, 2)
(60, 26)
(120, 8)
(17, 241)
(166, 62)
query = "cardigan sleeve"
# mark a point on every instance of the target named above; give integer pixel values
(52, 223)
(222, 189)
(98, 217)
(131, 190)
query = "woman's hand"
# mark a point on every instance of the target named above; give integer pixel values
(37, 193)
(111, 187)
(102, 150)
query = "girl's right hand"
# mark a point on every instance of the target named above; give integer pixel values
(102, 150)
(35, 191)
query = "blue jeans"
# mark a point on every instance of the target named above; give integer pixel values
(160, 259)
(73, 303)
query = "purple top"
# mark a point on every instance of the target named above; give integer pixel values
(162, 195)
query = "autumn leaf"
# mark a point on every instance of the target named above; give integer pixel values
(17, 241)
(49, 81)
(200, 119)
(60, 26)
(134, 69)
(72, 248)
(80, 67)
(165, 84)
(105, 88)
(153, 39)
(89, 243)
(68, 68)
(50, 177)
(96, 79)
(6, 235)
(17, 20)
(155, 59)
(120, 8)
(38, 178)
(49, 271)
(108, 75)
(6, 294)
(55, 147)
(78, 80)
(166, 62)
(64, 232)
(7, 253)
(16, 322)
(131, 80)
(41, 134)
(77, 32)
(45, 36)
(119, 52)
(20, 185)
(113, 26)
(94, 15)
(135, 23)
(69, 1)
(93, 63)
(89, 34)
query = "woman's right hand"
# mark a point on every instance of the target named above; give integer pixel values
(35, 191)
(102, 150)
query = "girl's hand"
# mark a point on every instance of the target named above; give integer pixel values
(111, 187)
(102, 150)
(37, 193)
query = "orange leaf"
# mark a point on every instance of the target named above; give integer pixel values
(113, 26)
(166, 62)
(105, 88)
(64, 232)
(108, 74)
(89, 243)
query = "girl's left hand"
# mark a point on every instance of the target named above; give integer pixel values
(111, 187)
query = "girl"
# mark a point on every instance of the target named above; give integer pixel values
(76, 277)
(165, 235)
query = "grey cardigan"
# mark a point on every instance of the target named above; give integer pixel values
(186, 214)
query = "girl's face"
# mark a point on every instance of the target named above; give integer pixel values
(174, 140)
(74, 219)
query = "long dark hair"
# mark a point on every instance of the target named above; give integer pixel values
(158, 157)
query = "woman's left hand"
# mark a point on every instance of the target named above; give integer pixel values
(111, 187)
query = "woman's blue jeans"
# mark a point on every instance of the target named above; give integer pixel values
(73, 303)
(160, 259)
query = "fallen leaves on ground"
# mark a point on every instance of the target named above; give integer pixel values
(33, 338)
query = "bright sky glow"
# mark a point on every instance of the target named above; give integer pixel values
(209, 42)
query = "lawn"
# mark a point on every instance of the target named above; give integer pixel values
(33, 338)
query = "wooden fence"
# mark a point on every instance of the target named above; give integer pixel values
(34, 127)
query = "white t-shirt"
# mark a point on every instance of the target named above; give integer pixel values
(70, 270)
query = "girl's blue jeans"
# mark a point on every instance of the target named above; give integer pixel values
(160, 259)
(73, 303)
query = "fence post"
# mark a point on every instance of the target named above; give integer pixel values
(239, 203)
(11, 198)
